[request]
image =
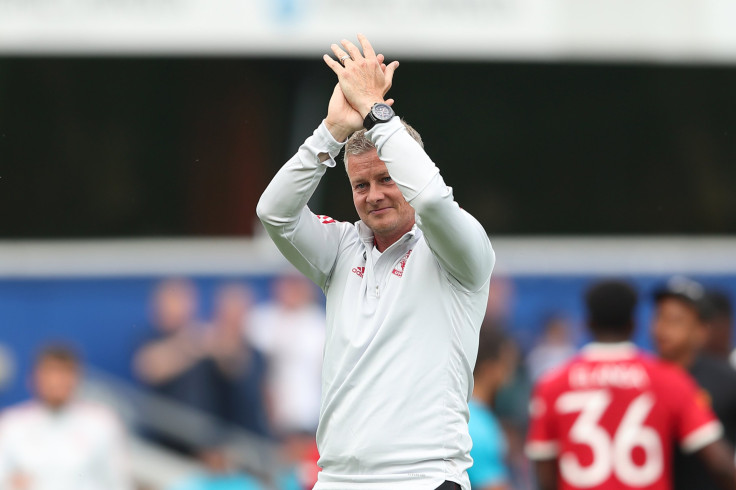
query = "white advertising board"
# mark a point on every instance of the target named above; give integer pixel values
(701, 31)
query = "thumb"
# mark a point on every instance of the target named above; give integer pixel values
(389, 102)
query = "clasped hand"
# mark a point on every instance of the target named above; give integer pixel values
(363, 80)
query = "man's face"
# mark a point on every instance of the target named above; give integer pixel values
(377, 198)
(55, 381)
(677, 330)
(174, 306)
(719, 336)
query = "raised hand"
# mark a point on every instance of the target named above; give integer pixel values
(342, 119)
(364, 79)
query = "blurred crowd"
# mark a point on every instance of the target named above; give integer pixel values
(253, 369)
(251, 372)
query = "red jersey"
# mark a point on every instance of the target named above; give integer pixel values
(611, 416)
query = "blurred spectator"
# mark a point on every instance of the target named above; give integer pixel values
(172, 359)
(57, 442)
(720, 324)
(240, 368)
(219, 474)
(495, 362)
(290, 330)
(209, 367)
(680, 330)
(7, 366)
(511, 399)
(500, 299)
(554, 348)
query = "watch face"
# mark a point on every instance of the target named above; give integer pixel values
(382, 112)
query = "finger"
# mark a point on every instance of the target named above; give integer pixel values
(334, 65)
(367, 48)
(339, 53)
(389, 73)
(351, 49)
(380, 59)
(389, 102)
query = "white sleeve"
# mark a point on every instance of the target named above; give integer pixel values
(457, 240)
(308, 241)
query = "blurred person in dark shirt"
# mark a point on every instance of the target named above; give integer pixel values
(239, 368)
(720, 326)
(680, 330)
(56, 441)
(210, 367)
(172, 360)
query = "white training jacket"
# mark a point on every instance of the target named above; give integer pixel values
(402, 328)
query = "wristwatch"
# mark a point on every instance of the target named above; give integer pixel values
(379, 113)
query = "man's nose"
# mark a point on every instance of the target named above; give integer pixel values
(374, 194)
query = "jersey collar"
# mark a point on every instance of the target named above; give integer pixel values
(608, 351)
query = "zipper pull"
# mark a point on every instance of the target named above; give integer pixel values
(377, 292)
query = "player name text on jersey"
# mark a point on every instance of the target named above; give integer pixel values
(619, 375)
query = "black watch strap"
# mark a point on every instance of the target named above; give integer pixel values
(379, 113)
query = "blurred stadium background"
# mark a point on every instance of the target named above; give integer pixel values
(590, 138)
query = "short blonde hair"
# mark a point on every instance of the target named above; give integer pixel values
(358, 144)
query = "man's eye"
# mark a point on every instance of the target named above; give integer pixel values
(359, 186)
(387, 179)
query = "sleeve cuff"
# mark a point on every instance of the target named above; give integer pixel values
(321, 141)
(701, 437)
(380, 133)
(325, 143)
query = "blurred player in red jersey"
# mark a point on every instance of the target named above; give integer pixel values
(608, 419)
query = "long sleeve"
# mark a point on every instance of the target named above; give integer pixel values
(457, 240)
(308, 241)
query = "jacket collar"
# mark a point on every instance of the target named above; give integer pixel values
(367, 237)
